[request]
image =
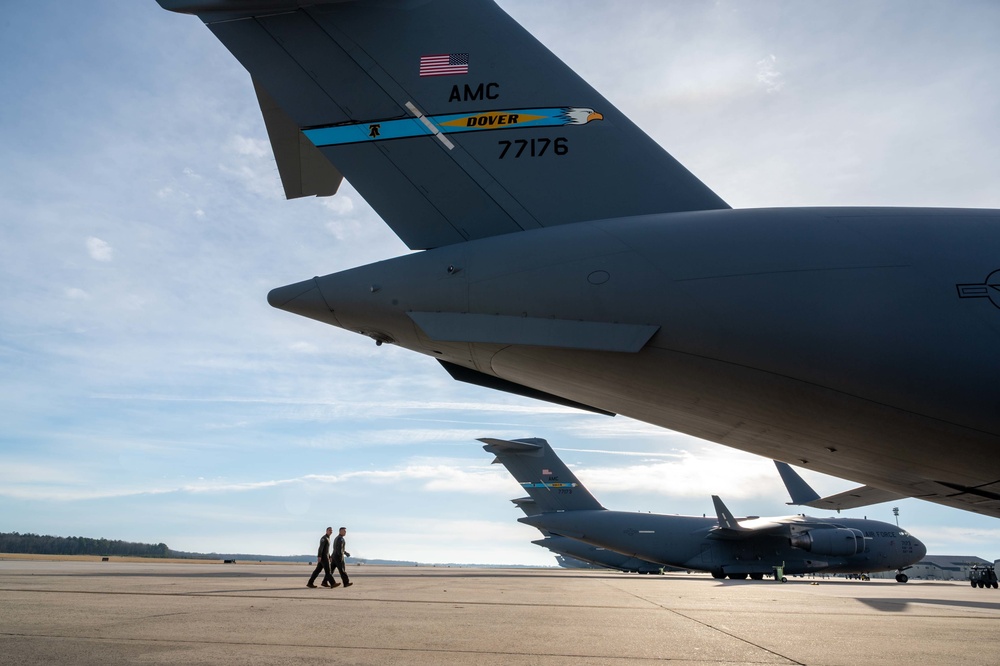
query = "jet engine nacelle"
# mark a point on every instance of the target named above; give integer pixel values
(840, 541)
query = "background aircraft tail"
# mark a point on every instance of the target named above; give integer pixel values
(448, 117)
(546, 478)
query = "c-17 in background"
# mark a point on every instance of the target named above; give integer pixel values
(582, 551)
(566, 256)
(724, 545)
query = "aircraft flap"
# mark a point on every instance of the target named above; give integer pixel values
(563, 333)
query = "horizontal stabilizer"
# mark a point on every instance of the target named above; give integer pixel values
(569, 534)
(510, 446)
(802, 493)
(535, 331)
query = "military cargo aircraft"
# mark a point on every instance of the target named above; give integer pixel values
(585, 552)
(564, 255)
(724, 545)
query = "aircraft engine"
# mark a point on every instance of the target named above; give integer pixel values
(836, 541)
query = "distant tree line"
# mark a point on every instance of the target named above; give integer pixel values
(13, 542)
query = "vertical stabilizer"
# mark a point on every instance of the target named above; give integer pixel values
(448, 117)
(546, 478)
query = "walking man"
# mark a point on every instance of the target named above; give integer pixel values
(322, 559)
(339, 554)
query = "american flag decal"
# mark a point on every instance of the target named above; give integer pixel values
(444, 64)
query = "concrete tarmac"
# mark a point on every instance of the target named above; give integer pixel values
(91, 612)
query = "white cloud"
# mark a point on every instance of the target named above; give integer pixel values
(244, 145)
(77, 294)
(688, 475)
(953, 540)
(768, 74)
(341, 204)
(98, 249)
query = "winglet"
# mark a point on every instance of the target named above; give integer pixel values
(802, 494)
(726, 519)
(799, 491)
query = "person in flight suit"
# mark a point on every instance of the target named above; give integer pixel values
(339, 555)
(322, 559)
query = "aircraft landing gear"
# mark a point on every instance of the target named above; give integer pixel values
(902, 578)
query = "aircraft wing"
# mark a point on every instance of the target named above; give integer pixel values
(802, 493)
(853, 499)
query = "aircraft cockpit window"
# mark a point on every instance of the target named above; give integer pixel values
(903, 533)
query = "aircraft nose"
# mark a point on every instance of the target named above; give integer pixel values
(302, 298)
(920, 549)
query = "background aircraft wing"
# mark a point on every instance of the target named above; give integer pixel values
(802, 493)
(853, 499)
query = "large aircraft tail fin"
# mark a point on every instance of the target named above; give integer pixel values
(448, 117)
(548, 480)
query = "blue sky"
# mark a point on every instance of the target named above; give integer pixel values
(149, 393)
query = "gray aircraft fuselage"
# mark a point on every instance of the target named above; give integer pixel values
(860, 342)
(689, 542)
